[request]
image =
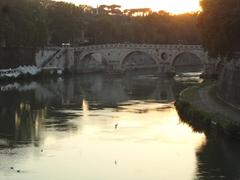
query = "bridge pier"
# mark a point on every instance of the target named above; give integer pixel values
(164, 70)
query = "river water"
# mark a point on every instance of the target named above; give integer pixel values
(101, 128)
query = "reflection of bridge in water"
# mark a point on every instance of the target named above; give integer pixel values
(106, 91)
(24, 107)
(97, 88)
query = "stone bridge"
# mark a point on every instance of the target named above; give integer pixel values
(125, 57)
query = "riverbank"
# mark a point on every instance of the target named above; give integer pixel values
(200, 105)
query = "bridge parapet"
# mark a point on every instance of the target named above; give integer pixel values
(141, 46)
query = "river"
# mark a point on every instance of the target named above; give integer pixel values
(101, 128)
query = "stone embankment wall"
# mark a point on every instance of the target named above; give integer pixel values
(229, 83)
(14, 57)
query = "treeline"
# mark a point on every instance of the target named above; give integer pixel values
(219, 22)
(37, 23)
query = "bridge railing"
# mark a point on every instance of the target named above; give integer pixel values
(149, 46)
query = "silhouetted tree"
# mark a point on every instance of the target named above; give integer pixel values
(45, 22)
(220, 26)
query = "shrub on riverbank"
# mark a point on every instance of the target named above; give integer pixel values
(199, 120)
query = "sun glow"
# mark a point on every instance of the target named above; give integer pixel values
(172, 6)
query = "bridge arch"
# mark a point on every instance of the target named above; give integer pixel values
(187, 62)
(138, 60)
(91, 62)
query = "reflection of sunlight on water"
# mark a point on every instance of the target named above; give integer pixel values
(161, 126)
(28, 124)
(50, 140)
(85, 108)
(149, 143)
(154, 125)
(17, 121)
(143, 142)
(79, 140)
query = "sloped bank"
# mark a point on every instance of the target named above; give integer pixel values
(192, 109)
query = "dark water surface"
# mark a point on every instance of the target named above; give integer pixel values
(98, 128)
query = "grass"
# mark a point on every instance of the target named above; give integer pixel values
(189, 108)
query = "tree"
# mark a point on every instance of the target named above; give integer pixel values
(219, 22)
(23, 23)
(65, 22)
(45, 22)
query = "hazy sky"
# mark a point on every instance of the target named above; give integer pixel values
(173, 6)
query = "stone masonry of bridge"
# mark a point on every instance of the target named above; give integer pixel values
(114, 55)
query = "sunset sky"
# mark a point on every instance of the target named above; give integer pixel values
(172, 6)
